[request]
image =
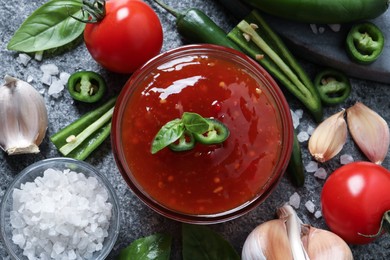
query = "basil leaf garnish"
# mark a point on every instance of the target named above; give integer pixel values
(154, 247)
(201, 242)
(168, 134)
(195, 123)
(50, 26)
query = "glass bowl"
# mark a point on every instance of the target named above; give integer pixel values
(29, 174)
(208, 184)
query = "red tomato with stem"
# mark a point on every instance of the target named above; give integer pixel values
(127, 36)
(354, 199)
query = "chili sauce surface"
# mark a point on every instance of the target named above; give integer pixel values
(207, 179)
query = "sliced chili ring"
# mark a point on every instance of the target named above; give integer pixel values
(365, 43)
(86, 86)
(184, 143)
(333, 86)
(216, 134)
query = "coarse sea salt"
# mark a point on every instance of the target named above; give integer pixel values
(61, 215)
(295, 200)
(303, 136)
(346, 158)
(318, 214)
(23, 59)
(295, 119)
(310, 206)
(312, 166)
(320, 173)
(50, 69)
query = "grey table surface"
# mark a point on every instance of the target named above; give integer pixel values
(137, 219)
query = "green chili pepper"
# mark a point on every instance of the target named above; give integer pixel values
(325, 11)
(264, 45)
(86, 86)
(216, 134)
(365, 43)
(333, 86)
(295, 167)
(83, 136)
(185, 142)
(197, 27)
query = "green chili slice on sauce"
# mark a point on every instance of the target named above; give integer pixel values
(185, 142)
(216, 134)
(181, 134)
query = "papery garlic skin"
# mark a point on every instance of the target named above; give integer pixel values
(321, 244)
(328, 138)
(23, 117)
(369, 131)
(288, 238)
(268, 241)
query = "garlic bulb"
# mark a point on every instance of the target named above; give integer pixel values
(260, 244)
(288, 238)
(23, 117)
(369, 131)
(329, 137)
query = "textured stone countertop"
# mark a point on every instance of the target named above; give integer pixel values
(137, 219)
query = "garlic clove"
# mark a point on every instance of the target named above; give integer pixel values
(23, 115)
(369, 131)
(261, 243)
(293, 228)
(321, 244)
(328, 138)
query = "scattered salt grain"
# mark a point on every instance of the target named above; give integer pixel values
(295, 119)
(302, 136)
(50, 69)
(313, 28)
(335, 27)
(312, 166)
(318, 214)
(310, 130)
(23, 59)
(64, 77)
(299, 113)
(310, 206)
(53, 218)
(320, 173)
(346, 158)
(46, 79)
(295, 200)
(30, 79)
(56, 87)
(321, 29)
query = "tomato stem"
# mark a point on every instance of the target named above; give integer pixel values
(95, 11)
(385, 224)
(384, 227)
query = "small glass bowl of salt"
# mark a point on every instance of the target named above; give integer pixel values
(59, 208)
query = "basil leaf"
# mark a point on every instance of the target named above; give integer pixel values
(154, 247)
(168, 134)
(200, 242)
(49, 26)
(195, 123)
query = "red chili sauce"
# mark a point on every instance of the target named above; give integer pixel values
(208, 179)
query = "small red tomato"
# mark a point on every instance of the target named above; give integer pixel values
(354, 199)
(129, 34)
